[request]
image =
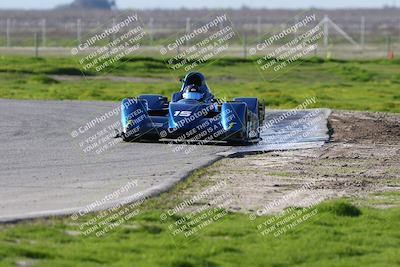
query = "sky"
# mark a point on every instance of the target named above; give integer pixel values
(140, 4)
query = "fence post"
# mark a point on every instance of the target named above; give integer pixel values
(78, 29)
(326, 31)
(188, 31)
(362, 33)
(8, 32)
(390, 53)
(151, 31)
(245, 45)
(44, 32)
(36, 44)
(113, 24)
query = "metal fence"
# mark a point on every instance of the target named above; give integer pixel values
(375, 31)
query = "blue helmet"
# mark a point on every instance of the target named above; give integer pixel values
(193, 92)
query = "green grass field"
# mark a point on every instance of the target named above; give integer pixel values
(339, 235)
(352, 85)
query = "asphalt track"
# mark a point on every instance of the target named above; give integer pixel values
(45, 169)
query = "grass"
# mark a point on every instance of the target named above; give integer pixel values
(352, 85)
(339, 235)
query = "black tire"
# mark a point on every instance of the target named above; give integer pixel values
(237, 143)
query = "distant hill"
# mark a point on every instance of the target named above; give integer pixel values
(90, 4)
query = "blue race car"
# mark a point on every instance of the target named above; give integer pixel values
(192, 114)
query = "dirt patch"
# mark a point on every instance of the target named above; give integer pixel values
(362, 158)
(365, 127)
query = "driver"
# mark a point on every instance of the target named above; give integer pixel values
(193, 92)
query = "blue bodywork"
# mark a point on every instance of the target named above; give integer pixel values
(153, 117)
